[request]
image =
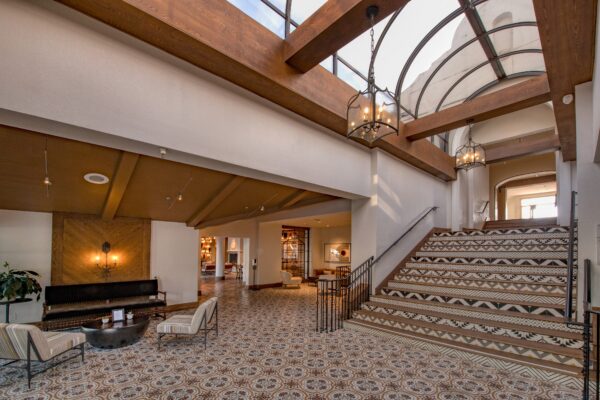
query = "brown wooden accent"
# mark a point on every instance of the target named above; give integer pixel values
(330, 28)
(530, 181)
(538, 143)
(519, 223)
(294, 198)
(501, 203)
(567, 32)
(218, 37)
(522, 95)
(119, 183)
(255, 213)
(216, 200)
(149, 193)
(77, 240)
(391, 276)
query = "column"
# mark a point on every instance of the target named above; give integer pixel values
(220, 261)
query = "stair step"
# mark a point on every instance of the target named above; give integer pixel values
(444, 325)
(455, 246)
(556, 333)
(521, 223)
(495, 294)
(481, 299)
(507, 231)
(553, 255)
(500, 276)
(479, 236)
(566, 365)
(491, 268)
(452, 307)
(491, 284)
(447, 258)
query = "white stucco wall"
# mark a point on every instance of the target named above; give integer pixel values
(51, 52)
(174, 260)
(26, 243)
(401, 194)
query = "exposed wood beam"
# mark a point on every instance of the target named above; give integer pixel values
(532, 144)
(119, 183)
(294, 198)
(530, 181)
(218, 37)
(330, 28)
(484, 40)
(254, 214)
(206, 209)
(567, 32)
(526, 94)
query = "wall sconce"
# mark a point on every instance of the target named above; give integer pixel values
(106, 269)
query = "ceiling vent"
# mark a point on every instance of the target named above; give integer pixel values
(96, 178)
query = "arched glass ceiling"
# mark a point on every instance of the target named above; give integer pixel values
(433, 53)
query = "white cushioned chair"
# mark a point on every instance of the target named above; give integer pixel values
(289, 280)
(206, 314)
(20, 342)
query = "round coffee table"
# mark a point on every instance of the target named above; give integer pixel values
(115, 334)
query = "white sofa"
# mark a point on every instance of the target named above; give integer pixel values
(289, 280)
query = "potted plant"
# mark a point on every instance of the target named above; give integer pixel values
(16, 284)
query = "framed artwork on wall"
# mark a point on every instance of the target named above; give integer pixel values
(337, 253)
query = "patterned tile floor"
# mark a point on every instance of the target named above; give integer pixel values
(267, 349)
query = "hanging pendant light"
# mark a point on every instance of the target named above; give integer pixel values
(471, 154)
(372, 113)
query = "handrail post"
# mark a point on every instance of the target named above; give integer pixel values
(568, 313)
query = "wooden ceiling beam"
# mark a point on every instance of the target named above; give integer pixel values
(529, 181)
(119, 183)
(219, 38)
(567, 33)
(217, 199)
(526, 94)
(294, 198)
(254, 214)
(523, 146)
(330, 28)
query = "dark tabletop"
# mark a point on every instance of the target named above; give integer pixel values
(136, 321)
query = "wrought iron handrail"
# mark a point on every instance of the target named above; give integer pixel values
(586, 326)
(340, 295)
(568, 313)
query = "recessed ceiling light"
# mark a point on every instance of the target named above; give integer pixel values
(96, 178)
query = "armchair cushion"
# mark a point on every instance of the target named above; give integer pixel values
(188, 324)
(7, 350)
(48, 344)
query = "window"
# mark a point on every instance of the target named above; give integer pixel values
(539, 207)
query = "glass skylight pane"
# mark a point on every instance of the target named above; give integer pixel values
(358, 51)
(450, 72)
(414, 22)
(350, 77)
(469, 85)
(260, 12)
(302, 9)
(328, 64)
(525, 37)
(523, 62)
(495, 13)
(280, 4)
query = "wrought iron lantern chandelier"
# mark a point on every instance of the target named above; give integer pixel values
(471, 154)
(372, 113)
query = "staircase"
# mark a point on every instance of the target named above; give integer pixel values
(495, 292)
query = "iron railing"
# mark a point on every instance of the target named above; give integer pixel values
(591, 364)
(568, 313)
(340, 295)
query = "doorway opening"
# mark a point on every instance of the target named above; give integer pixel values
(295, 250)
